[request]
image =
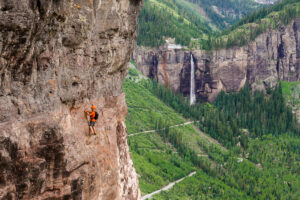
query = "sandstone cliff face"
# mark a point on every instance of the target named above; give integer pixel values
(273, 55)
(57, 57)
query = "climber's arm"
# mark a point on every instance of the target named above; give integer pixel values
(88, 113)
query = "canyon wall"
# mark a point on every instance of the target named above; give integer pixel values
(271, 56)
(57, 58)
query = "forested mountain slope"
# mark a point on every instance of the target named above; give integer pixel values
(186, 19)
(211, 24)
(226, 12)
(258, 22)
(260, 160)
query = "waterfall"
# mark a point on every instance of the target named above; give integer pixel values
(192, 88)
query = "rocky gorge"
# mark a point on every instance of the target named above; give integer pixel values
(273, 55)
(57, 58)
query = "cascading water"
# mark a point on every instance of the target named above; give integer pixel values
(192, 88)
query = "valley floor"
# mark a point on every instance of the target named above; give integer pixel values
(166, 188)
(179, 161)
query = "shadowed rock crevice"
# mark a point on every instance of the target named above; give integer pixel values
(153, 68)
(36, 169)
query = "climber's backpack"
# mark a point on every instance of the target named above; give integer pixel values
(96, 116)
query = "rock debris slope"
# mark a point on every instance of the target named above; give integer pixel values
(273, 55)
(57, 57)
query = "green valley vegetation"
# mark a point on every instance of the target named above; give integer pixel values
(273, 173)
(225, 119)
(144, 109)
(262, 156)
(155, 160)
(291, 92)
(202, 186)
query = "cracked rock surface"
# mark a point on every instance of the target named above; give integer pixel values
(57, 58)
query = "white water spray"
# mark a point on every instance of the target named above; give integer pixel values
(192, 88)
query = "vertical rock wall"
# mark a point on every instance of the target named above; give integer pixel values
(271, 56)
(57, 58)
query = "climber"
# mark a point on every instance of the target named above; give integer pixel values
(93, 118)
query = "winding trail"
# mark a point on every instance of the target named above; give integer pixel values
(149, 196)
(150, 131)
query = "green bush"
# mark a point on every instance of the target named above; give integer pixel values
(133, 72)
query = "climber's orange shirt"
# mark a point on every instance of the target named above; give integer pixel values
(92, 116)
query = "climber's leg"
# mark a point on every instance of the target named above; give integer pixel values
(90, 130)
(93, 127)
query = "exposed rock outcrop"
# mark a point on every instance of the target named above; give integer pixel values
(57, 57)
(271, 56)
(266, 1)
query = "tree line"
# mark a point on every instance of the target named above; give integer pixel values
(262, 123)
(235, 116)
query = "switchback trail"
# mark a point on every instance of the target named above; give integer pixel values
(150, 131)
(149, 196)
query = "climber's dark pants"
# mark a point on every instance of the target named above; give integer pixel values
(92, 123)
